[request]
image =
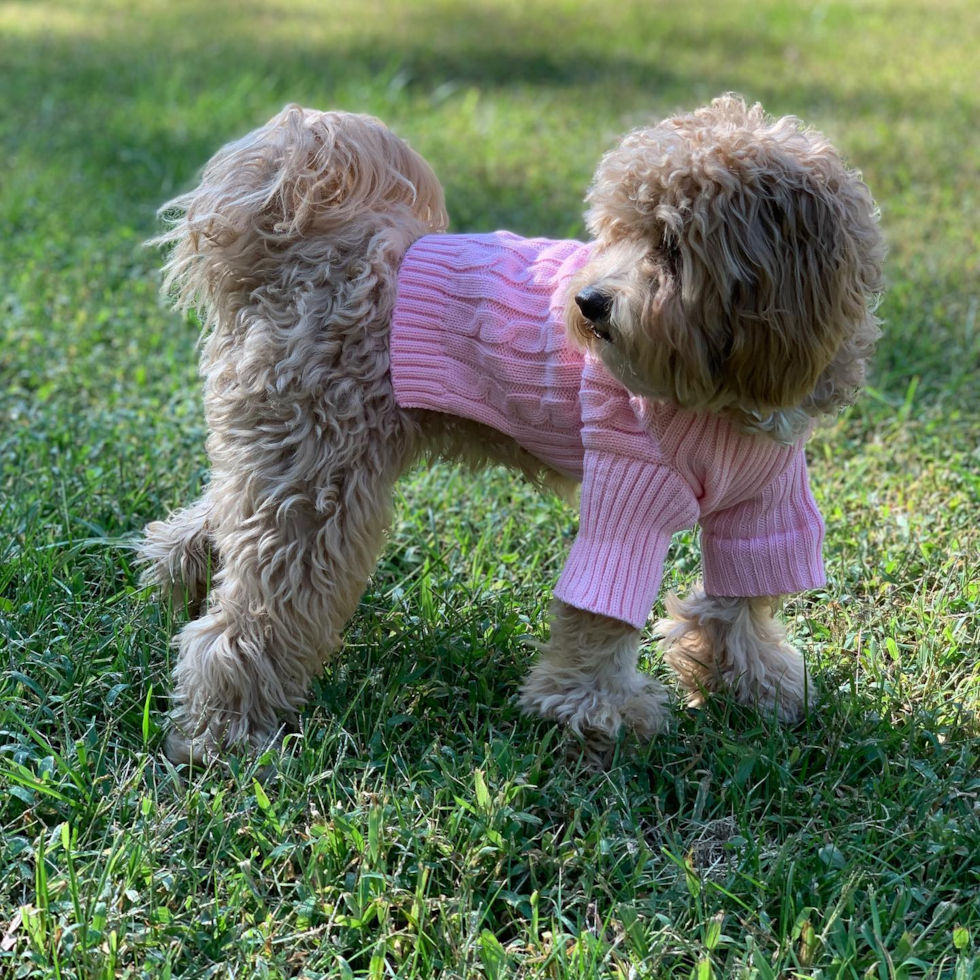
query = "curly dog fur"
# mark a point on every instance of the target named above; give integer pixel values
(743, 260)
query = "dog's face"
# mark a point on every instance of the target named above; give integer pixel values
(735, 268)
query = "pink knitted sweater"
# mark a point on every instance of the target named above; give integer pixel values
(478, 332)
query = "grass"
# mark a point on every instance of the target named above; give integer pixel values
(420, 827)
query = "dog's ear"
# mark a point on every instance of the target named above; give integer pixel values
(780, 272)
(684, 355)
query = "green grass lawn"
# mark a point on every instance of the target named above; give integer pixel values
(420, 827)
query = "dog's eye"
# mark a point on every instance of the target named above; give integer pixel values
(601, 333)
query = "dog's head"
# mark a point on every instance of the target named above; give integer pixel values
(736, 267)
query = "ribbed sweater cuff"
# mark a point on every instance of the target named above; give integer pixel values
(777, 565)
(629, 511)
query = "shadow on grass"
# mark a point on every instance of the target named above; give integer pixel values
(400, 701)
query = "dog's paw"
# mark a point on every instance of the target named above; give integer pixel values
(594, 714)
(716, 644)
(782, 688)
(208, 746)
(198, 752)
(774, 681)
(175, 557)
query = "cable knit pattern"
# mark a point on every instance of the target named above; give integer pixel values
(478, 332)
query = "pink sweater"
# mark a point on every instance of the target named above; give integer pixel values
(478, 332)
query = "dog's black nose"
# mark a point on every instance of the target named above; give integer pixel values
(594, 304)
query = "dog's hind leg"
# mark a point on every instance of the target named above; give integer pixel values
(306, 444)
(178, 557)
(296, 557)
(289, 251)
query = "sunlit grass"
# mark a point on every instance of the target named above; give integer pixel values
(418, 826)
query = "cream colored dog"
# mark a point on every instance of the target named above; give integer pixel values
(741, 285)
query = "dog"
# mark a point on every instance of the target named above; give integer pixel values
(674, 364)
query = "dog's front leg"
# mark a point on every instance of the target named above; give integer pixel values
(587, 679)
(716, 643)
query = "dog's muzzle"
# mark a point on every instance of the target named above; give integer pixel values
(595, 306)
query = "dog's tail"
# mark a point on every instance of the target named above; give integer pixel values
(304, 178)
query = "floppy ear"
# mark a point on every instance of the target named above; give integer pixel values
(858, 285)
(791, 263)
(684, 359)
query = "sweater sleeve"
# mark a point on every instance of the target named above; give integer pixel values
(767, 545)
(630, 508)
